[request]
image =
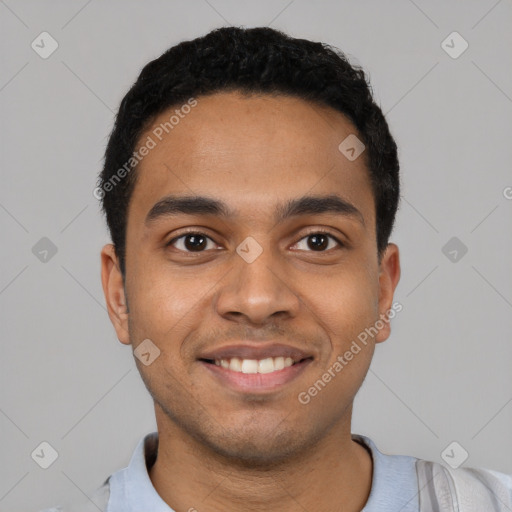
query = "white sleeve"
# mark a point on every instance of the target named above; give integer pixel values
(462, 490)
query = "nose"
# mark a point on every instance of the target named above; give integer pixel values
(257, 292)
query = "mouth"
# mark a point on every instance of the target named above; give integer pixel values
(256, 376)
(252, 366)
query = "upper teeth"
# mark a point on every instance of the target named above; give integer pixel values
(268, 365)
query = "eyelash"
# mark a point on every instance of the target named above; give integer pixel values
(314, 232)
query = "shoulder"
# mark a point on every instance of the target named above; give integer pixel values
(97, 502)
(441, 487)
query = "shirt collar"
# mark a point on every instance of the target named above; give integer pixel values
(131, 489)
(394, 481)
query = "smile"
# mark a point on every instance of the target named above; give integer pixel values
(267, 365)
(256, 375)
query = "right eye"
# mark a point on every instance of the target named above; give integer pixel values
(190, 242)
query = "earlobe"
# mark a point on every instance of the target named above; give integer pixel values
(389, 275)
(114, 291)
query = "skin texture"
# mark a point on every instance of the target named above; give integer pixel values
(221, 449)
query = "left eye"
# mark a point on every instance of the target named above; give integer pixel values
(319, 241)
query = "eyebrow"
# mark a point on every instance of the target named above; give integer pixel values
(201, 205)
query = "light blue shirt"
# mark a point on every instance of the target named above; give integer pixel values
(394, 484)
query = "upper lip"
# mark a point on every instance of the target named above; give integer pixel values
(245, 351)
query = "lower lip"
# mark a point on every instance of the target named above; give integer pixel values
(257, 382)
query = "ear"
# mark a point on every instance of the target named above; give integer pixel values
(389, 275)
(113, 289)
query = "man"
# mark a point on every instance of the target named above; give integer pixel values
(250, 187)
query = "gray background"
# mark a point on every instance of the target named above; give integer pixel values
(443, 376)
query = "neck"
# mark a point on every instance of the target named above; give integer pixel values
(334, 474)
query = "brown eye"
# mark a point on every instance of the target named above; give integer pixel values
(191, 242)
(319, 242)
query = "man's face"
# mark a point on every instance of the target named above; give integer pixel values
(256, 284)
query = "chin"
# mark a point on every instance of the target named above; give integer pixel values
(251, 454)
(257, 448)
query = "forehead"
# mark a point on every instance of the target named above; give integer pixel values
(250, 152)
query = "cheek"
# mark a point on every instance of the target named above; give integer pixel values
(160, 305)
(170, 308)
(165, 287)
(346, 300)
(165, 310)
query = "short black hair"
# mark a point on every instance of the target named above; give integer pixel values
(248, 60)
